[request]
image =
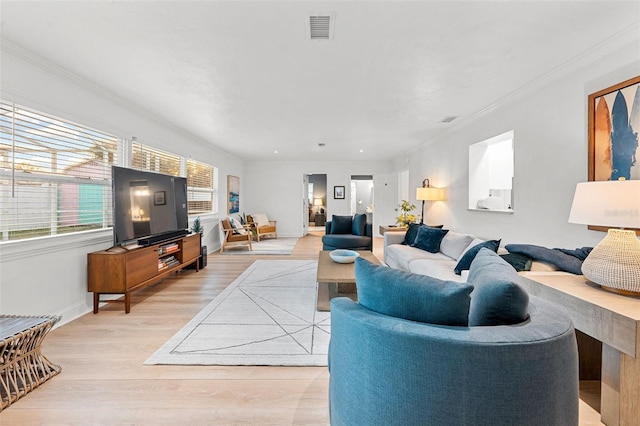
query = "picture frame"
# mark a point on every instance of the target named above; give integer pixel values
(233, 194)
(338, 192)
(611, 140)
(159, 198)
(613, 129)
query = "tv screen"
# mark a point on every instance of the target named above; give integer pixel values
(147, 204)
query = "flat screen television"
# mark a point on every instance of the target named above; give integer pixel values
(148, 207)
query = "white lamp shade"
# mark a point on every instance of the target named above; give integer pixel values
(614, 204)
(430, 194)
(317, 201)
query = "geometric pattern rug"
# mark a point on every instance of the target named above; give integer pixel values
(266, 246)
(267, 316)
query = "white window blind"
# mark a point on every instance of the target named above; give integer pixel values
(154, 160)
(201, 192)
(55, 175)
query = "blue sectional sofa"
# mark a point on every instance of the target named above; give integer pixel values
(416, 350)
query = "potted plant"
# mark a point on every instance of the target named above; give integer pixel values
(406, 217)
(196, 226)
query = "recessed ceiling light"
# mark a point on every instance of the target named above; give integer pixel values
(362, 150)
(275, 152)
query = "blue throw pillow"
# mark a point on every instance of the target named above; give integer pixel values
(497, 298)
(412, 233)
(411, 296)
(341, 224)
(465, 261)
(358, 224)
(429, 238)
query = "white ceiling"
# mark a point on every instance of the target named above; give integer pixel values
(244, 77)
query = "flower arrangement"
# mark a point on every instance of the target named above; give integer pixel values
(406, 217)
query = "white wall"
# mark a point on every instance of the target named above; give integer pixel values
(550, 149)
(48, 275)
(275, 188)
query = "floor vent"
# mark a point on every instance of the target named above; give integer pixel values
(320, 25)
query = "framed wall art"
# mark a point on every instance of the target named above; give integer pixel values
(338, 192)
(233, 194)
(614, 123)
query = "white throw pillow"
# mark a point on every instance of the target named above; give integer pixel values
(237, 226)
(260, 219)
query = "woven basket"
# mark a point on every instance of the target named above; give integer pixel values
(615, 262)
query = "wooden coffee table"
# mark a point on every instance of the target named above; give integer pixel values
(337, 279)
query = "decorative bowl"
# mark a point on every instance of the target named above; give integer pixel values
(343, 256)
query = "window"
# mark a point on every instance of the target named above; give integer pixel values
(55, 175)
(491, 174)
(200, 188)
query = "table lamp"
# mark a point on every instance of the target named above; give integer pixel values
(428, 193)
(318, 202)
(614, 263)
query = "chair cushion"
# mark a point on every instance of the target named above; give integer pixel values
(341, 224)
(358, 224)
(429, 238)
(411, 296)
(465, 260)
(226, 224)
(260, 219)
(497, 298)
(346, 241)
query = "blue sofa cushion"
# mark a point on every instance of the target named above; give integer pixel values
(497, 298)
(410, 296)
(465, 261)
(341, 224)
(412, 233)
(358, 224)
(429, 238)
(346, 241)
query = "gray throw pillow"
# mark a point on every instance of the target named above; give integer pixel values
(497, 298)
(411, 296)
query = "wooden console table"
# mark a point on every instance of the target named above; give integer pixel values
(22, 366)
(612, 319)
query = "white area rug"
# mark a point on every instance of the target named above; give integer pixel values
(267, 316)
(266, 246)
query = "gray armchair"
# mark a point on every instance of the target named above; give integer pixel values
(346, 232)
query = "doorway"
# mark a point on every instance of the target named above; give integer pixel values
(362, 195)
(317, 201)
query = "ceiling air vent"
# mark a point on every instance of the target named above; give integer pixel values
(449, 119)
(320, 25)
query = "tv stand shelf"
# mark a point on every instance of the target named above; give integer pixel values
(120, 270)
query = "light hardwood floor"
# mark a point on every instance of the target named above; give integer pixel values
(103, 380)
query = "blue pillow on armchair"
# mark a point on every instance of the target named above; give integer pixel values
(411, 296)
(341, 224)
(358, 224)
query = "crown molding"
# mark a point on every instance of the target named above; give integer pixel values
(618, 40)
(17, 51)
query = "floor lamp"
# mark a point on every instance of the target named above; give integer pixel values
(614, 263)
(428, 193)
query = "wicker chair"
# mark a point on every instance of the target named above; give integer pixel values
(233, 236)
(263, 229)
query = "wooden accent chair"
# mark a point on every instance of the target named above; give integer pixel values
(261, 225)
(233, 236)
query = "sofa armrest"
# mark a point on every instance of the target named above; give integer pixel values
(327, 227)
(394, 237)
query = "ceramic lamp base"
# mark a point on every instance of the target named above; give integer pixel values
(615, 262)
